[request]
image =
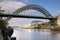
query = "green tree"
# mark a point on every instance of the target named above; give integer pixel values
(3, 23)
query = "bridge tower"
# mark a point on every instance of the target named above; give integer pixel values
(58, 20)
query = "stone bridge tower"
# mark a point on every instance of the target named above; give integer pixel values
(58, 20)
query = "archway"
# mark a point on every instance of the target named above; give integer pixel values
(33, 7)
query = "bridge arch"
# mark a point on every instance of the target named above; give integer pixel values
(34, 7)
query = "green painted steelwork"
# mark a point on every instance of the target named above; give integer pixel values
(33, 7)
(25, 16)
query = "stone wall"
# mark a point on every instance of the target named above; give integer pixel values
(58, 20)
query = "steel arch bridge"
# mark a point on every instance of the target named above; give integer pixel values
(33, 7)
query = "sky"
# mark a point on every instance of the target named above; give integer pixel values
(53, 6)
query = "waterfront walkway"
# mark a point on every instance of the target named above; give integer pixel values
(1, 38)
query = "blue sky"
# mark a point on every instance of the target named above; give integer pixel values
(53, 6)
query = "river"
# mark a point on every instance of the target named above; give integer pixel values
(35, 34)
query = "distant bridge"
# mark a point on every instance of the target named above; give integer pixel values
(31, 7)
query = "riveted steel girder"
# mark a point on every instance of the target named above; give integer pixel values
(33, 7)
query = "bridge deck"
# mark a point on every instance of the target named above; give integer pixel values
(25, 16)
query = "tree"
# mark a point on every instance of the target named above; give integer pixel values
(3, 23)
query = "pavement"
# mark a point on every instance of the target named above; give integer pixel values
(1, 37)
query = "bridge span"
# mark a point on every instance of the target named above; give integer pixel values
(25, 16)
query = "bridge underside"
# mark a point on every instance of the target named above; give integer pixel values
(26, 16)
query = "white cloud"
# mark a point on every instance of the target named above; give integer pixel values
(25, 1)
(6, 0)
(11, 6)
(58, 11)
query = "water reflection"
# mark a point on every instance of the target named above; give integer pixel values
(36, 34)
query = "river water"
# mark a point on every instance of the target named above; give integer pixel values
(35, 34)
